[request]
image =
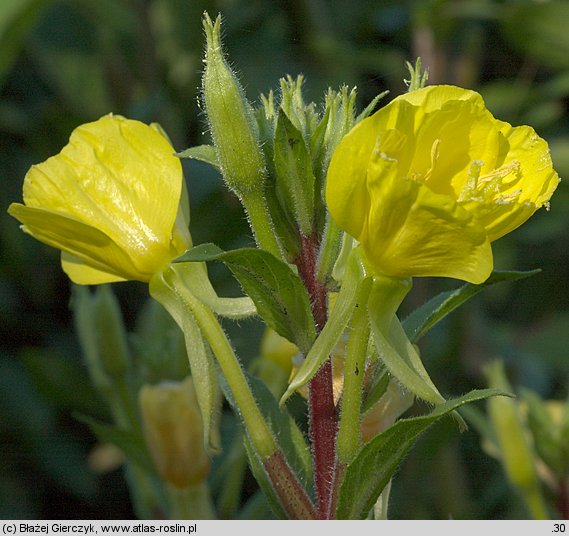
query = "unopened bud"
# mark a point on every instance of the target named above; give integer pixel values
(231, 119)
(174, 432)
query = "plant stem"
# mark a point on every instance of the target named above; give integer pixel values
(291, 492)
(285, 482)
(323, 429)
(322, 411)
(261, 223)
(258, 429)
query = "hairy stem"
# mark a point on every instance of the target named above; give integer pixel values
(261, 223)
(322, 411)
(291, 492)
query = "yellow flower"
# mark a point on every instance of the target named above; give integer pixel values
(174, 432)
(112, 200)
(429, 181)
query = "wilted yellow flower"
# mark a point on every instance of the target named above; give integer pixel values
(174, 432)
(429, 181)
(110, 200)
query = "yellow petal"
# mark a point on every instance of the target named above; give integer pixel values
(433, 98)
(121, 179)
(84, 242)
(413, 231)
(539, 179)
(83, 274)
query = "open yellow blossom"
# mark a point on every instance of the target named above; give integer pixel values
(112, 201)
(429, 181)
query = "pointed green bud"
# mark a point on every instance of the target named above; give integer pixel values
(230, 118)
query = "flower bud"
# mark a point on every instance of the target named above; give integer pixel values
(231, 119)
(173, 431)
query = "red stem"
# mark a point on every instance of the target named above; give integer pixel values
(322, 411)
(294, 498)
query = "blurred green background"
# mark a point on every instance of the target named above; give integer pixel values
(63, 63)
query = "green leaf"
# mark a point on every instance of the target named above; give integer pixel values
(279, 295)
(317, 145)
(130, 442)
(377, 461)
(333, 329)
(203, 153)
(293, 167)
(290, 439)
(431, 313)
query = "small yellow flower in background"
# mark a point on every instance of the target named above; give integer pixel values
(429, 181)
(110, 200)
(174, 432)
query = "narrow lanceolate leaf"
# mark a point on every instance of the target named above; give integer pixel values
(279, 295)
(333, 329)
(295, 178)
(378, 460)
(431, 313)
(203, 153)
